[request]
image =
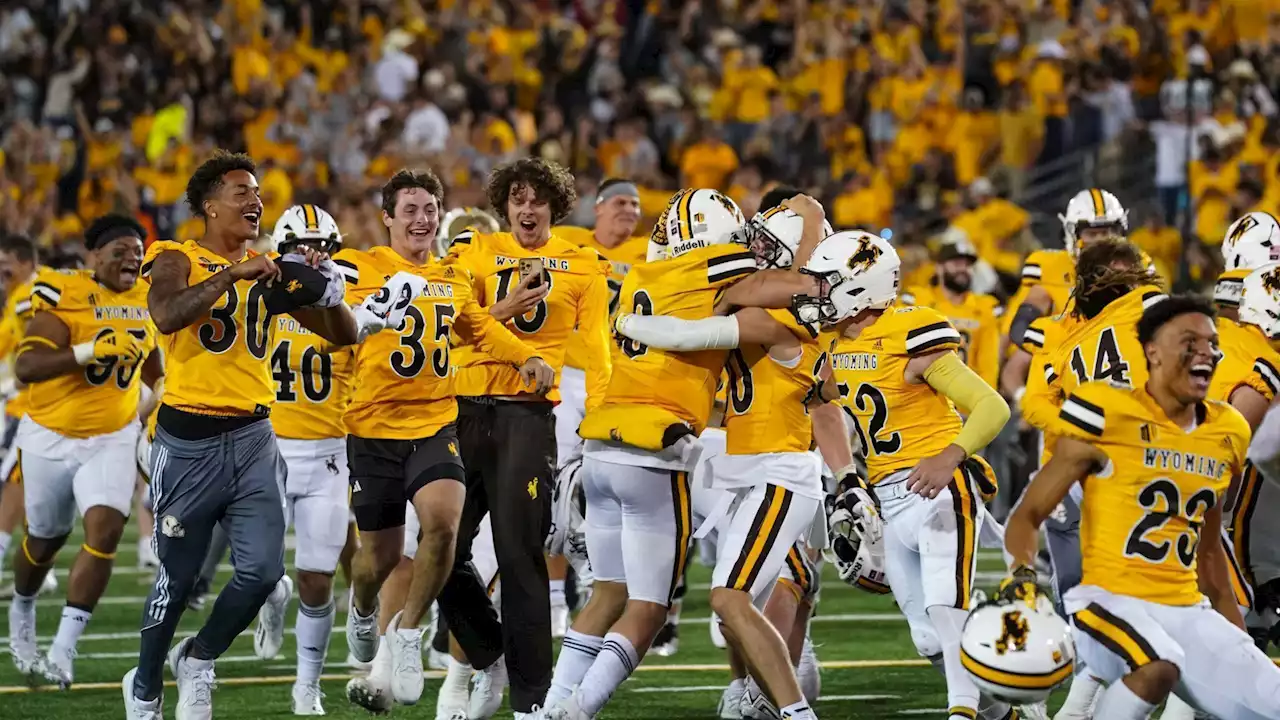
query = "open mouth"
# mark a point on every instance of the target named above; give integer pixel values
(1201, 374)
(420, 233)
(528, 225)
(253, 216)
(129, 271)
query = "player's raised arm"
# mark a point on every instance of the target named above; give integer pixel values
(1072, 461)
(767, 289)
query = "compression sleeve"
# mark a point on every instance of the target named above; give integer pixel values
(671, 333)
(1022, 319)
(987, 411)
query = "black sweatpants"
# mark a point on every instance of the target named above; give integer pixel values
(509, 450)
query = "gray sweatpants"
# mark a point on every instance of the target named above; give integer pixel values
(1062, 532)
(235, 480)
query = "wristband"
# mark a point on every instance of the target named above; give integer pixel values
(83, 352)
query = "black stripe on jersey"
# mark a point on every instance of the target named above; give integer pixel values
(1084, 415)
(22, 307)
(1031, 271)
(931, 336)
(1268, 373)
(1033, 337)
(145, 270)
(463, 238)
(349, 271)
(1151, 298)
(46, 292)
(726, 267)
(1049, 374)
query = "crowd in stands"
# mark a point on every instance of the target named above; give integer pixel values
(913, 115)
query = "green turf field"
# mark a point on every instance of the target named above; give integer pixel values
(870, 669)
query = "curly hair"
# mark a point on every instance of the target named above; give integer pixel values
(549, 181)
(1106, 270)
(109, 227)
(1154, 317)
(406, 179)
(207, 179)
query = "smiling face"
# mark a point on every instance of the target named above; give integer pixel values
(236, 208)
(1182, 356)
(529, 216)
(618, 215)
(417, 218)
(118, 263)
(13, 270)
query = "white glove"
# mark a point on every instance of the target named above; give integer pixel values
(392, 300)
(855, 515)
(367, 322)
(143, 454)
(335, 290)
(566, 515)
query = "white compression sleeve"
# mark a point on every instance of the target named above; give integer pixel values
(670, 333)
(1264, 449)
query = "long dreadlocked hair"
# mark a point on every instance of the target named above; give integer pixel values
(1105, 271)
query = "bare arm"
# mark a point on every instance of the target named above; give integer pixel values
(1013, 377)
(1071, 462)
(1211, 567)
(174, 304)
(831, 435)
(767, 289)
(1251, 404)
(46, 352)
(153, 370)
(336, 324)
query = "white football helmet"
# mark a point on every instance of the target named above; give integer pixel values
(1251, 241)
(774, 236)
(866, 572)
(699, 218)
(461, 220)
(1260, 304)
(1092, 209)
(1016, 651)
(306, 222)
(857, 271)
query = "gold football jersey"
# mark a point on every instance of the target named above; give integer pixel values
(977, 319)
(1055, 271)
(1247, 359)
(898, 423)
(1141, 514)
(218, 364)
(650, 389)
(765, 410)
(577, 304)
(404, 385)
(13, 326)
(313, 383)
(631, 252)
(1230, 288)
(102, 397)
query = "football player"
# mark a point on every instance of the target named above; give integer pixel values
(1251, 242)
(214, 457)
(904, 382)
(313, 380)
(644, 436)
(88, 348)
(976, 316)
(1156, 460)
(767, 465)
(401, 421)
(546, 289)
(19, 264)
(617, 209)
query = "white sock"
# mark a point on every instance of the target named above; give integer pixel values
(1175, 708)
(577, 653)
(1082, 695)
(948, 623)
(1119, 703)
(615, 663)
(380, 669)
(4, 544)
(798, 711)
(71, 626)
(557, 592)
(673, 615)
(457, 678)
(312, 629)
(23, 608)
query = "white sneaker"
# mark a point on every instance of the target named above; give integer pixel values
(717, 635)
(56, 666)
(135, 709)
(147, 558)
(362, 633)
(195, 683)
(487, 687)
(22, 640)
(1034, 711)
(406, 662)
(355, 664)
(809, 673)
(49, 584)
(454, 694)
(755, 705)
(566, 709)
(559, 620)
(730, 707)
(306, 699)
(371, 697)
(437, 660)
(268, 638)
(1175, 708)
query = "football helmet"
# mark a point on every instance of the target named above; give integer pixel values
(462, 220)
(306, 222)
(856, 271)
(1017, 650)
(695, 219)
(866, 570)
(774, 236)
(1260, 304)
(1251, 241)
(1092, 209)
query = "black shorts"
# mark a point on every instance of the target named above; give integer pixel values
(385, 474)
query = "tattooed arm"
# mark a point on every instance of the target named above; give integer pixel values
(173, 303)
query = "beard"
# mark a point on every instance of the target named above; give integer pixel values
(957, 283)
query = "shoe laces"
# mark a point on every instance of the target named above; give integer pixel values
(203, 683)
(404, 664)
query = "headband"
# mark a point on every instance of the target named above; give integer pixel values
(113, 233)
(622, 188)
